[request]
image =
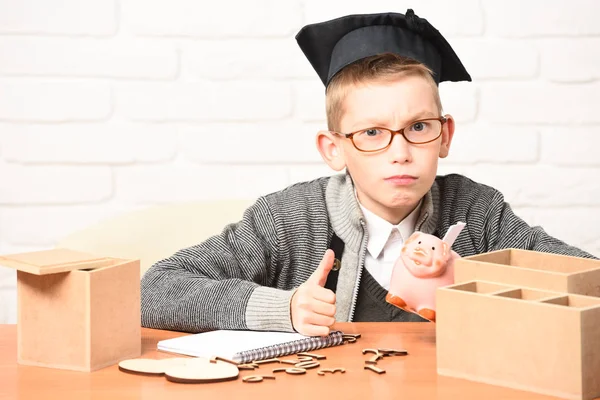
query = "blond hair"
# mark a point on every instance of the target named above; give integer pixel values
(382, 67)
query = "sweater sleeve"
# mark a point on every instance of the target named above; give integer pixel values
(222, 283)
(503, 229)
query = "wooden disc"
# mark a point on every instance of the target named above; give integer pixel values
(147, 366)
(201, 370)
(144, 366)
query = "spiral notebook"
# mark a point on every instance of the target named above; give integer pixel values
(246, 346)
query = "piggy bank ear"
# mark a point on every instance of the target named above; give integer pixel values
(445, 247)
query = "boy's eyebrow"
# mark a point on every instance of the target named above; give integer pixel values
(366, 123)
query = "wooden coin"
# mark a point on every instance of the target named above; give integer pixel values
(167, 362)
(202, 370)
(143, 366)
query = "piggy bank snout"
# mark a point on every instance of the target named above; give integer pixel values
(421, 256)
(420, 251)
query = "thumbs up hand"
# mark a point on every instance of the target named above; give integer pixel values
(312, 305)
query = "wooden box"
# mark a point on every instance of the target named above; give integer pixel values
(535, 340)
(74, 310)
(532, 269)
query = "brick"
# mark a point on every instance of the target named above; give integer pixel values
(446, 167)
(8, 305)
(246, 59)
(67, 17)
(528, 103)
(309, 101)
(466, 20)
(540, 185)
(54, 101)
(460, 100)
(54, 184)
(229, 143)
(516, 18)
(570, 60)
(308, 172)
(261, 18)
(205, 101)
(8, 277)
(570, 146)
(577, 226)
(86, 57)
(45, 226)
(109, 143)
(491, 58)
(183, 182)
(475, 143)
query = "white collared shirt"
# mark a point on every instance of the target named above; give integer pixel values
(385, 243)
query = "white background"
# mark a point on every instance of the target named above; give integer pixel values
(111, 105)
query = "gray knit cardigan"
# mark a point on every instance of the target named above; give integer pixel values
(244, 277)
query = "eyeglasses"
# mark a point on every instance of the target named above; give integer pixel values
(376, 138)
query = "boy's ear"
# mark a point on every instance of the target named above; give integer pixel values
(447, 135)
(331, 151)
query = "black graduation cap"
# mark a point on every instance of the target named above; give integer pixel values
(332, 45)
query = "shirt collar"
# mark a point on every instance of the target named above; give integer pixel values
(379, 229)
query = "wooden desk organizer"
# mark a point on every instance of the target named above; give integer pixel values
(76, 311)
(532, 269)
(524, 320)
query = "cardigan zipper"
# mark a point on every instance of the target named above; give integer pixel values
(361, 263)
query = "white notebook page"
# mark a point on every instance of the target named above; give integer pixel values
(225, 343)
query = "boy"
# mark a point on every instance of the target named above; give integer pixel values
(273, 269)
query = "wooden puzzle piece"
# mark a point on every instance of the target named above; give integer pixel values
(312, 356)
(307, 364)
(392, 352)
(257, 378)
(375, 369)
(330, 370)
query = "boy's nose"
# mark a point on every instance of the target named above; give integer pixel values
(400, 149)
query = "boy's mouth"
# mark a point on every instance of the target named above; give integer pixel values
(401, 179)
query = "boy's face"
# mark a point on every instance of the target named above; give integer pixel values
(389, 182)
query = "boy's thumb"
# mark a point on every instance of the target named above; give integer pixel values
(319, 277)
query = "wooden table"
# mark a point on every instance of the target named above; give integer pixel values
(409, 377)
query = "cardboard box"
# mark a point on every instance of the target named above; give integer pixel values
(532, 269)
(76, 311)
(535, 340)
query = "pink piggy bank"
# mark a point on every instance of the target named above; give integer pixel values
(425, 263)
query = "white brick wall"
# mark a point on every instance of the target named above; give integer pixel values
(109, 105)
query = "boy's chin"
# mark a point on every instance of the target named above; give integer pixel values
(405, 199)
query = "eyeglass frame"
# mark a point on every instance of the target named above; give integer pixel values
(350, 135)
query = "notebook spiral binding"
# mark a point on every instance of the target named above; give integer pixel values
(335, 338)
